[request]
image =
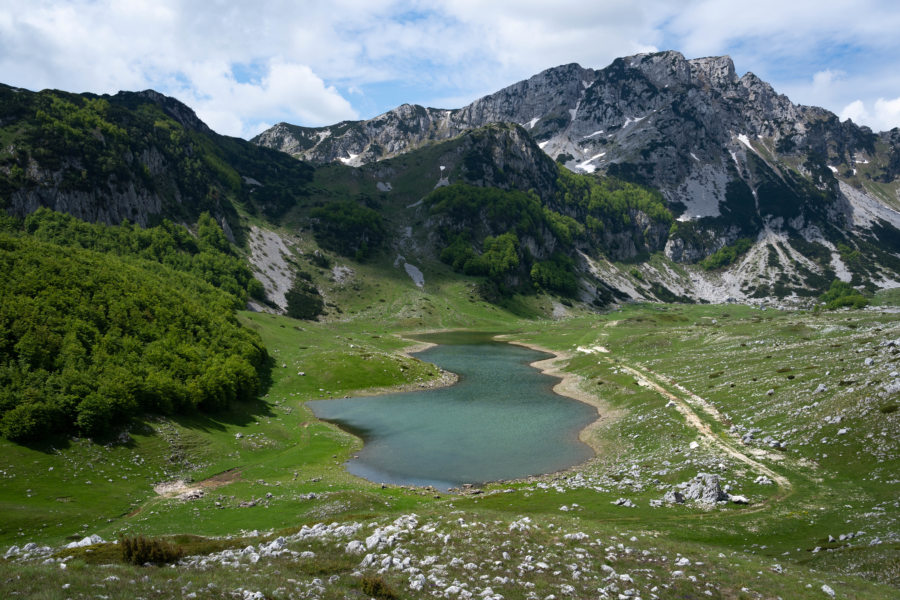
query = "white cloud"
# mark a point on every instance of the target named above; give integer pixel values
(287, 91)
(884, 115)
(181, 48)
(823, 80)
(385, 52)
(856, 111)
(887, 114)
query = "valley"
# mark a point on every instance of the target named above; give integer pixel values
(712, 269)
(832, 473)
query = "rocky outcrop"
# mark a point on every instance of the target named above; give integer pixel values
(704, 488)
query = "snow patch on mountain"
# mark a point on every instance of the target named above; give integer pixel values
(629, 121)
(413, 271)
(415, 274)
(586, 166)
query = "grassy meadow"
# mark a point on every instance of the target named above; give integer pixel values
(679, 387)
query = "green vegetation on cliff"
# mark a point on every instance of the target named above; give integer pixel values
(90, 340)
(726, 255)
(142, 145)
(208, 256)
(609, 204)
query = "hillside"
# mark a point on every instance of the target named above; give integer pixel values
(732, 158)
(172, 299)
(91, 340)
(137, 156)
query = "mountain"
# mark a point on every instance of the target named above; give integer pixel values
(655, 178)
(733, 159)
(139, 156)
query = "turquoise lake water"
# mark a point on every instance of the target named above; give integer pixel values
(500, 421)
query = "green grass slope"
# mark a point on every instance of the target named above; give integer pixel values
(273, 468)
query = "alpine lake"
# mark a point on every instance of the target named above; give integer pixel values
(500, 421)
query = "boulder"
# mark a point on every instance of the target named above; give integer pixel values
(88, 541)
(704, 488)
(673, 497)
(624, 502)
(355, 547)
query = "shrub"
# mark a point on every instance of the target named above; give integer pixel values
(842, 294)
(26, 422)
(375, 586)
(727, 254)
(141, 550)
(555, 275)
(349, 228)
(303, 299)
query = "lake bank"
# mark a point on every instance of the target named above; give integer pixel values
(570, 387)
(503, 419)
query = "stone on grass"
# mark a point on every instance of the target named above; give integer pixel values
(673, 497)
(704, 488)
(624, 502)
(88, 541)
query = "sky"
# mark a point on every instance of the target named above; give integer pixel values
(246, 65)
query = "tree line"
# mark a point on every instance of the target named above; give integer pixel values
(99, 324)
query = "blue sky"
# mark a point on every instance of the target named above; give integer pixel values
(244, 66)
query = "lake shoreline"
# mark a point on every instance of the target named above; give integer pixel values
(569, 387)
(446, 378)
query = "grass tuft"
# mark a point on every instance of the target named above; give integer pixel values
(375, 586)
(140, 550)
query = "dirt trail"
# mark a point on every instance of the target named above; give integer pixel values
(686, 404)
(180, 487)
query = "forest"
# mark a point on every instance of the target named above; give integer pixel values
(100, 324)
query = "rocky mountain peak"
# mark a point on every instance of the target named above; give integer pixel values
(732, 157)
(716, 71)
(176, 109)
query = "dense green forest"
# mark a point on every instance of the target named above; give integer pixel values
(349, 228)
(495, 221)
(99, 324)
(483, 228)
(209, 256)
(607, 203)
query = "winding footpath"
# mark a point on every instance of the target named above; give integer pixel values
(686, 402)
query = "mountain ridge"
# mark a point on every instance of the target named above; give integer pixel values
(733, 161)
(732, 158)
